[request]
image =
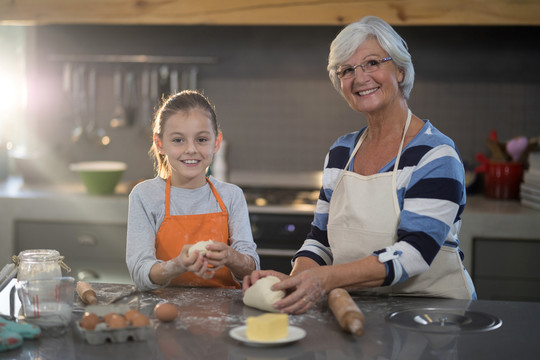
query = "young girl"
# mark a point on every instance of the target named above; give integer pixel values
(181, 206)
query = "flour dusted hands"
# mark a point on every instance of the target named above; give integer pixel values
(218, 255)
(162, 272)
(303, 289)
(195, 263)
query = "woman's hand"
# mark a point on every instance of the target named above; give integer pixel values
(304, 290)
(249, 280)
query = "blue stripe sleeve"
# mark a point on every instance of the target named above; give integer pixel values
(320, 235)
(436, 188)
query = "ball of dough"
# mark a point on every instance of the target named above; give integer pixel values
(261, 296)
(201, 246)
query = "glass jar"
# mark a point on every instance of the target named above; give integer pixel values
(40, 264)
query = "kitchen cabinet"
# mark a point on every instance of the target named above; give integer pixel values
(269, 12)
(94, 252)
(506, 269)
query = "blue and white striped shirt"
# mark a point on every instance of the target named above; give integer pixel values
(431, 196)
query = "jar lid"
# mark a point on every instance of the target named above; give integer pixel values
(38, 255)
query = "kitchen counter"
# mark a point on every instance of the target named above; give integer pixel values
(201, 331)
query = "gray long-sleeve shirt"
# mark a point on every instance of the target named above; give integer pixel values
(147, 210)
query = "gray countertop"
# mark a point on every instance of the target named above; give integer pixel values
(201, 331)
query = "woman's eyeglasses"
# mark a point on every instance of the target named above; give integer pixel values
(348, 71)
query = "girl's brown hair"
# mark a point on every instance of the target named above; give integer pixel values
(183, 101)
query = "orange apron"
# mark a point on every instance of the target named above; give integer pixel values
(179, 230)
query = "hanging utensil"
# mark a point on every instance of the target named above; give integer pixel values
(174, 81)
(164, 86)
(77, 104)
(100, 134)
(91, 125)
(146, 112)
(193, 72)
(154, 95)
(130, 98)
(119, 113)
(94, 131)
(185, 79)
(67, 71)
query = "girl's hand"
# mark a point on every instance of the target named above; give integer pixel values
(304, 289)
(249, 280)
(195, 263)
(219, 255)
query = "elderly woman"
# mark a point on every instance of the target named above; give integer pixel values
(388, 214)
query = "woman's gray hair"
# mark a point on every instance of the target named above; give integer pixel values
(351, 37)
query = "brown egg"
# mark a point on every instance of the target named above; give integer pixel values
(89, 321)
(140, 320)
(107, 317)
(116, 322)
(166, 312)
(131, 314)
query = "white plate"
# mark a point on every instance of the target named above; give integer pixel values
(295, 334)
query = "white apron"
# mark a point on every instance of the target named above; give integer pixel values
(364, 216)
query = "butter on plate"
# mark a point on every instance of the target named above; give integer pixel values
(267, 327)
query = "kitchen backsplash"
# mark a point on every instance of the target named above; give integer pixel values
(277, 108)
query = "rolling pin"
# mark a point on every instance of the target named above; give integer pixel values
(86, 293)
(349, 316)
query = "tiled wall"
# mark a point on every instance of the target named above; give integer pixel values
(277, 107)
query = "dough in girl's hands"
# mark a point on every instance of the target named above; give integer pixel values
(261, 296)
(201, 246)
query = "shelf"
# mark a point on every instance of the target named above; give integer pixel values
(134, 59)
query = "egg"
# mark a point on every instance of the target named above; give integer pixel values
(131, 314)
(116, 322)
(140, 320)
(166, 312)
(89, 321)
(107, 317)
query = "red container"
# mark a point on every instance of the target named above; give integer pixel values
(502, 180)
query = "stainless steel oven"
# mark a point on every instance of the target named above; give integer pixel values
(278, 237)
(280, 220)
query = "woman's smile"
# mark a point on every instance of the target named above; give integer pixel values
(367, 92)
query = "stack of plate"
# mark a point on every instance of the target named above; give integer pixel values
(530, 188)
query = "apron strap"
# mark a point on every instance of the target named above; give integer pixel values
(398, 156)
(216, 195)
(396, 164)
(168, 197)
(355, 150)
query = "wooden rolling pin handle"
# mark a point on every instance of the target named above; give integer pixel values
(349, 316)
(86, 293)
(354, 322)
